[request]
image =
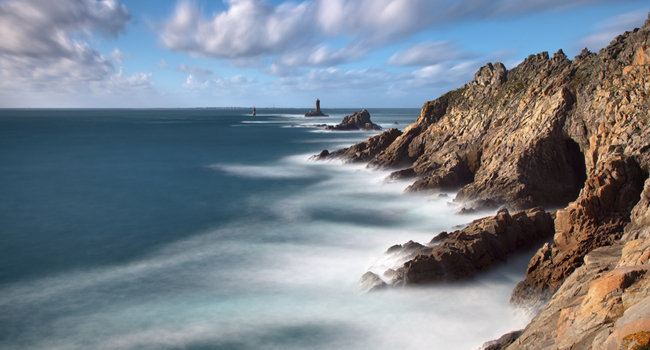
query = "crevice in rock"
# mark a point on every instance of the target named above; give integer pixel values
(577, 166)
(553, 172)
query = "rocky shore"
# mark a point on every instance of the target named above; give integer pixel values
(553, 133)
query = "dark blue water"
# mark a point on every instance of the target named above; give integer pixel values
(208, 228)
(90, 187)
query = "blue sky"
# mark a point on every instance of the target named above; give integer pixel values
(348, 53)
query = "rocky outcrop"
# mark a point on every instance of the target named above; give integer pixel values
(357, 121)
(502, 342)
(529, 136)
(371, 282)
(596, 219)
(603, 304)
(363, 151)
(559, 133)
(481, 245)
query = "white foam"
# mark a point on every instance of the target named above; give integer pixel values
(288, 282)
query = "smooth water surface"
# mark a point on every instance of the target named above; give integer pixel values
(212, 229)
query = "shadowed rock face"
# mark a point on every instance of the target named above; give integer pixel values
(596, 219)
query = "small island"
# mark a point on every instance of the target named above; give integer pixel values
(316, 112)
(357, 121)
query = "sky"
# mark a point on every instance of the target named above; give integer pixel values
(275, 53)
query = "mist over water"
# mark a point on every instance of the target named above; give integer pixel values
(263, 251)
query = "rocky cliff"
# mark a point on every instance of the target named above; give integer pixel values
(559, 133)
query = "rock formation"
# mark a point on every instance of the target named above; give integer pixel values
(316, 112)
(502, 342)
(557, 133)
(481, 245)
(364, 151)
(357, 121)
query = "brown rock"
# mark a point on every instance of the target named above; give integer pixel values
(502, 342)
(357, 121)
(366, 150)
(604, 304)
(483, 244)
(597, 218)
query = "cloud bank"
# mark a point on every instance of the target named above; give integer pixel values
(44, 44)
(295, 32)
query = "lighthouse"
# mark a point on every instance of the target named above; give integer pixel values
(316, 112)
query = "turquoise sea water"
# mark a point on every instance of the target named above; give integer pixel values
(212, 229)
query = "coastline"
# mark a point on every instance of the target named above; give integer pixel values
(551, 132)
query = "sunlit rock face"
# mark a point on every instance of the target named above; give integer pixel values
(558, 133)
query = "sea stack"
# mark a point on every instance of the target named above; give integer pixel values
(357, 121)
(316, 112)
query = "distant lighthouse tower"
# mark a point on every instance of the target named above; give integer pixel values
(316, 112)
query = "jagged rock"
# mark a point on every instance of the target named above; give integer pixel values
(324, 154)
(406, 247)
(408, 251)
(357, 121)
(550, 132)
(364, 151)
(491, 75)
(371, 282)
(483, 244)
(596, 219)
(525, 137)
(602, 305)
(502, 342)
(479, 204)
(407, 173)
(439, 237)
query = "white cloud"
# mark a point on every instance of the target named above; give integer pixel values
(426, 54)
(282, 70)
(295, 33)
(118, 56)
(45, 58)
(453, 74)
(44, 28)
(41, 42)
(323, 56)
(194, 70)
(247, 28)
(334, 78)
(608, 30)
(234, 83)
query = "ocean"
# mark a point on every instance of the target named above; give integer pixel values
(212, 229)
